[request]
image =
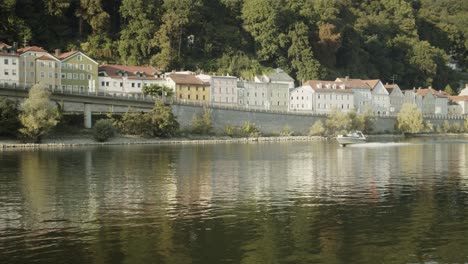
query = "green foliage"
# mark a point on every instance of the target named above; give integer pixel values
(448, 89)
(103, 130)
(203, 124)
(9, 117)
(307, 38)
(286, 131)
(164, 121)
(133, 123)
(38, 116)
(410, 120)
(455, 128)
(428, 127)
(250, 130)
(445, 128)
(337, 123)
(465, 124)
(317, 129)
(158, 90)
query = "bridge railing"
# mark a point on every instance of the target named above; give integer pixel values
(148, 98)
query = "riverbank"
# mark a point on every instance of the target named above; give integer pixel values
(76, 141)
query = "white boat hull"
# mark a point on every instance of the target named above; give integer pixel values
(350, 140)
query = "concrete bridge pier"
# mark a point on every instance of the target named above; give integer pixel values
(87, 116)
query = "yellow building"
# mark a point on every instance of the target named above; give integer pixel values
(48, 71)
(188, 88)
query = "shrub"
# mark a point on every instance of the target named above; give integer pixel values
(466, 124)
(164, 122)
(317, 129)
(38, 116)
(250, 130)
(103, 130)
(428, 127)
(286, 131)
(455, 128)
(9, 117)
(136, 124)
(445, 126)
(337, 123)
(203, 124)
(410, 120)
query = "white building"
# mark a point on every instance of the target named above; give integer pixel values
(330, 95)
(267, 96)
(362, 93)
(301, 99)
(27, 66)
(412, 97)
(128, 79)
(223, 90)
(433, 102)
(276, 76)
(9, 66)
(397, 98)
(380, 97)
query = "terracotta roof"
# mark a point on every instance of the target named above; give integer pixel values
(44, 57)
(459, 98)
(66, 54)
(9, 54)
(185, 79)
(372, 83)
(4, 44)
(354, 83)
(440, 94)
(321, 86)
(32, 48)
(114, 70)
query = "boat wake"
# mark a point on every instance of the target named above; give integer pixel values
(381, 144)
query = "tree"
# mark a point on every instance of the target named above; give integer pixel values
(38, 116)
(164, 121)
(337, 123)
(103, 130)
(9, 117)
(158, 90)
(203, 124)
(410, 120)
(448, 89)
(317, 129)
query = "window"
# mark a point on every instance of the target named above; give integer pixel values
(121, 84)
(90, 67)
(13, 72)
(50, 64)
(188, 96)
(51, 75)
(89, 76)
(64, 76)
(5, 72)
(102, 83)
(80, 58)
(69, 76)
(32, 74)
(5, 61)
(69, 66)
(31, 64)
(139, 85)
(133, 85)
(13, 61)
(75, 76)
(188, 88)
(107, 84)
(81, 76)
(63, 66)
(196, 97)
(82, 67)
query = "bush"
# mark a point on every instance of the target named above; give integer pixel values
(203, 124)
(317, 129)
(133, 123)
(103, 130)
(9, 117)
(410, 120)
(286, 131)
(250, 130)
(163, 121)
(445, 126)
(38, 116)
(337, 123)
(466, 124)
(455, 128)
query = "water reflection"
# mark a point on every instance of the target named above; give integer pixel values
(236, 203)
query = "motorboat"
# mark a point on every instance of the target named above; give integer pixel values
(352, 137)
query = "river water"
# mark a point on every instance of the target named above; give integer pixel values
(294, 202)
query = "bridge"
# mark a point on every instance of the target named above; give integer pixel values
(88, 103)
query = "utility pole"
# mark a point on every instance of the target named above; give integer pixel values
(394, 77)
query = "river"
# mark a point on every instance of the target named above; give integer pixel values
(283, 202)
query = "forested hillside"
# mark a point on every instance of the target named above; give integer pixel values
(310, 39)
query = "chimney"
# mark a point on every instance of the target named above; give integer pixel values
(57, 52)
(347, 78)
(15, 45)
